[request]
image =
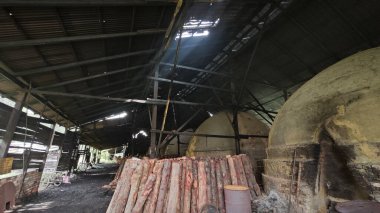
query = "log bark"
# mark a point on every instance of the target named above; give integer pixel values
(240, 171)
(138, 208)
(219, 183)
(183, 182)
(163, 186)
(226, 175)
(253, 186)
(194, 190)
(174, 190)
(152, 163)
(202, 187)
(214, 190)
(135, 183)
(188, 184)
(208, 181)
(144, 177)
(150, 205)
(120, 197)
(233, 173)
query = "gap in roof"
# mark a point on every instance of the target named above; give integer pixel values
(197, 28)
(117, 116)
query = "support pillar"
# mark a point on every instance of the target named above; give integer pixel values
(51, 139)
(153, 139)
(11, 126)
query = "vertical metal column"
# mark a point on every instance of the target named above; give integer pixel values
(153, 140)
(11, 126)
(235, 121)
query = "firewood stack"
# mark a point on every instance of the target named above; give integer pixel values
(179, 184)
(113, 183)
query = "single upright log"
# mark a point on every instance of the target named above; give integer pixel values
(163, 186)
(135, 183)
(242, 180)
(152, 163)
(214, 190)
(219, 183)
(188, 184)
(208, 181)
(150, 205)
(226, 175)
(182, 182)
(120, 197)
(138, 208)
(194, 189)
(144, 177)
(174, 190)
(202, 185)
(253, 186)
(233, 173)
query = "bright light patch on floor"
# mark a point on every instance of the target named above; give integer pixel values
(210, 114)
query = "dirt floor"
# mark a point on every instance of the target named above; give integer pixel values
(84, 194)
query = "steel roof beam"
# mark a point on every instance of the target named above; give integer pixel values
(80, 63)
(46, 41)
(93, 76)
(189, 84)
(102, 102)
(122, 100)
(73, 3)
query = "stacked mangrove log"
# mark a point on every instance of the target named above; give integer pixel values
(113, 183)
(179, 184)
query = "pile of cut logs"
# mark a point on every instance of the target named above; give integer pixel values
(179, 184)
(113, 183)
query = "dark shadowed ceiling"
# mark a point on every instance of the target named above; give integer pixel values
(88, 60)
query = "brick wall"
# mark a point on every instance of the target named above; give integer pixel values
(31, 183)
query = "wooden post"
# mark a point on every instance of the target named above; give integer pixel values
(11, 126)
(51, 139)
(153, 137)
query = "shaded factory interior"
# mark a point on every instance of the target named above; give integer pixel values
(189, 106)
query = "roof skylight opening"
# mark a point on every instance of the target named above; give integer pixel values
(197, 28)
(117, 116)
(210, 114)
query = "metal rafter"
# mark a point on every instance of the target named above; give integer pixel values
(72, 3)
(122, 100)
(46, 41)
(92, 76)
(81, 63)
(188, 84)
